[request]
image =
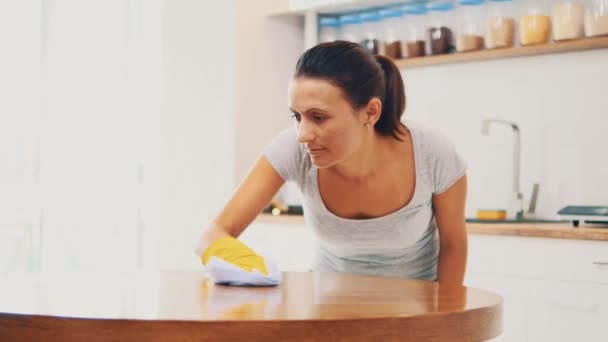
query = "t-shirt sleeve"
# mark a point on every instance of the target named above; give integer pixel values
(448, 164)
(285, 154)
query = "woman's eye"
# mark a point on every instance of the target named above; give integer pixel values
(318, 118)
(296, 116)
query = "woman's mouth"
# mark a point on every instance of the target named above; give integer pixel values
(315, 151)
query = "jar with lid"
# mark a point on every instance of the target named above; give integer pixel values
(391, 31)
(500, 24)
(567, 19)
(350, 28)
(534, 22)
(596, 18)
(469, 30)
(414, 22)
(371, 24)
(329, 29)
(440, 22)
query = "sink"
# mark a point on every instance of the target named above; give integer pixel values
(524, 220)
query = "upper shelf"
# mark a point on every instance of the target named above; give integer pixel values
(461, 57)
(300, 7)
(310, 10)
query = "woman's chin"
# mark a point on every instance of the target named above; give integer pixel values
(320, 162)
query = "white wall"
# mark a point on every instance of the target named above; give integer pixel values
(80, 106)
(267, 49)
(559, 101)
(197, 120)
(117, 134)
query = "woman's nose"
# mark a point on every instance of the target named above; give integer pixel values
(305, 133)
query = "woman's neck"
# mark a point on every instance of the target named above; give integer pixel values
(374, 156)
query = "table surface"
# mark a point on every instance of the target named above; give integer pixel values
(168, 306)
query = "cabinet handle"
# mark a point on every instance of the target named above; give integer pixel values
(600, 263)
(569, 306)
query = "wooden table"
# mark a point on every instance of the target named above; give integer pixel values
(179, 306)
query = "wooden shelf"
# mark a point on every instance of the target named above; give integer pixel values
(463, 57)
(330, 7)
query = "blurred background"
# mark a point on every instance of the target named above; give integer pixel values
(126, 124)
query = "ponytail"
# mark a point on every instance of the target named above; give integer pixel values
(393, 103)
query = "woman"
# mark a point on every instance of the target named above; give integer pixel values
(384, 198)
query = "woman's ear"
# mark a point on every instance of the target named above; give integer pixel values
(373, 111)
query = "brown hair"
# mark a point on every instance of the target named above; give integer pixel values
(361, 76)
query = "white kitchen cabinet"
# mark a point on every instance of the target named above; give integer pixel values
(560, 259)
(514, 305)
(567, 311)
(553, 289)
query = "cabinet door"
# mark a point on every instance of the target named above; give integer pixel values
(514, 305)
(530, 257)
(567, 311)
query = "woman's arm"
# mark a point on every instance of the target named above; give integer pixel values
(449, 209)
(252, 195)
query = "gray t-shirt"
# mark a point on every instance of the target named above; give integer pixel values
(403, 243)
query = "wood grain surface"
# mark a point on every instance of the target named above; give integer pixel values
(176, 306)
(583, 44)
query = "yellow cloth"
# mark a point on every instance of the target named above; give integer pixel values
(235, 252)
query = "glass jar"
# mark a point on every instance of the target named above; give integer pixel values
(500, 24)
(371, 24)
(391, 31)
(469, 30)
(439, 32)
(350, 28)
(329, 29)
(567, 19)
(596, 18)
(414, 24)
(534, 23)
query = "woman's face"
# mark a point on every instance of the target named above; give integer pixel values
(328, 126)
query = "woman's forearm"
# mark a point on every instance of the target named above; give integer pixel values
(452, 263)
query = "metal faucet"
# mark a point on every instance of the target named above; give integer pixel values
(485, 130)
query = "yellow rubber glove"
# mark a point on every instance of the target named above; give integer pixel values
(236, 253)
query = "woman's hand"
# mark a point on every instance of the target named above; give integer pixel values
(228, 261)
(237, 253)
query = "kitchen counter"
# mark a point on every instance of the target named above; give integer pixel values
(544, 230)
(183, 305)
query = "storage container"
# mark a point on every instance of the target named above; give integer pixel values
(391, 32)
(470, 26)
(596, 18)
(534, 22)
(350, 28)
(329, 29)
(414, 24)
(370, 39)
(500, 24)
(440, 15)
(567, 19)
